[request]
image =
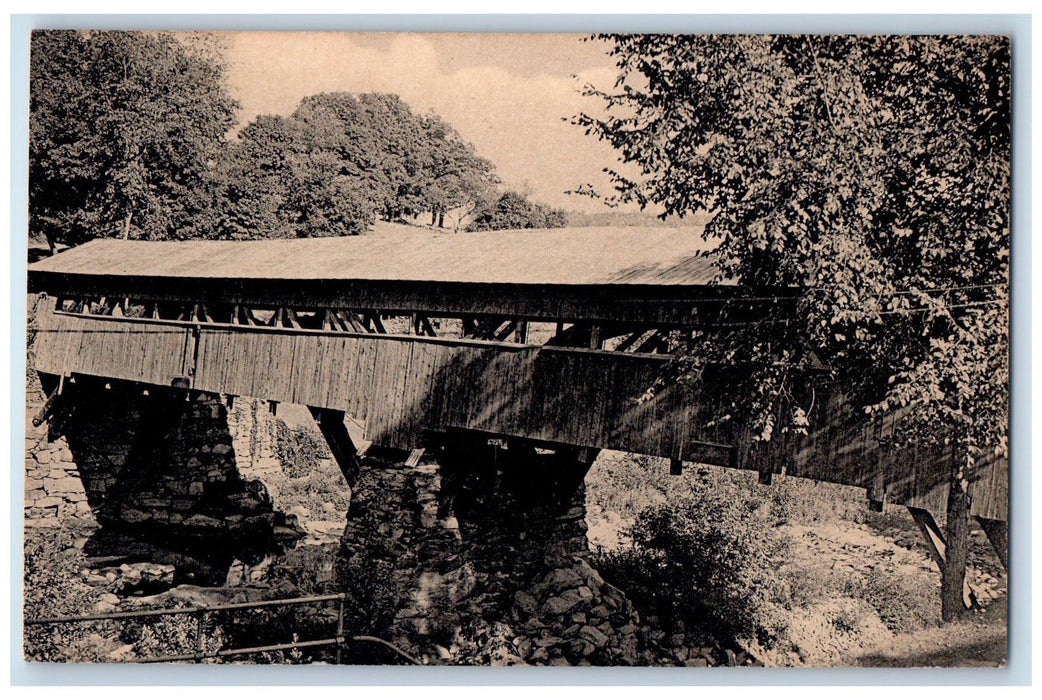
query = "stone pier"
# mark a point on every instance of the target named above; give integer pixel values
(161, 465)
(479, 553)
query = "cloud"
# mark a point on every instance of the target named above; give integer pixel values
(514, 120)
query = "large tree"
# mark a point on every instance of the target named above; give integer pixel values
(453, 178)
(124, 127)
(282, 179)
(872, 173)
(338, 162)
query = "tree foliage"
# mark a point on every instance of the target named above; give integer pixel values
(339, 162)
(123, 129)
(513, 210)
(869, 172)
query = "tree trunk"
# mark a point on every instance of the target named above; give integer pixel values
(126, 226)
(957, 534)
(441, 219)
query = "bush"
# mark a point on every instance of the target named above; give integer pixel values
(299, 450)
(170, 635)
(53, 589)
(708, 563)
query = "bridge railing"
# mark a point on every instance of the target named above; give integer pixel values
(199, 653)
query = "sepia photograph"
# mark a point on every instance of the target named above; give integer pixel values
(517, 349)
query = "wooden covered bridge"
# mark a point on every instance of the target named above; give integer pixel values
(552, 337)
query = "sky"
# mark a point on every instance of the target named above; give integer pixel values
(508, 94)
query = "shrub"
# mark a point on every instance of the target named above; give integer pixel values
(299, 450)
(171, 635)
(53, 589)
(707, 563)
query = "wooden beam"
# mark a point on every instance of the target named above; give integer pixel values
(641, 305)
(653, 343)
(931, 532)
(377, 323)
(997, 532)
(347, 321)
(428, 326)
(331, 424)
(51, 406)
(937, 546)
(501, 335)
(630, 341)
(291, 316)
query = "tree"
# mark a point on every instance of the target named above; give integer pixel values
(513, 210)
(870, 172)
(454, 176)
(339, 161)
(124, 127)
(281, 179)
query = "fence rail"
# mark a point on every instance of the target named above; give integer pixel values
(201, 613)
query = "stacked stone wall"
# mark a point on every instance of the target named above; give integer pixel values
(479, 555)
(157, 462)
(54, 492)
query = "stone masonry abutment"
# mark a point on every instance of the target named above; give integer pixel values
(160, 464)
(480, 545)
(475, 551)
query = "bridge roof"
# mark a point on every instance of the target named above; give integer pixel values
(570, 256)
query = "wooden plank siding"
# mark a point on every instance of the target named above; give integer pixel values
(401, 386)
(153, 353)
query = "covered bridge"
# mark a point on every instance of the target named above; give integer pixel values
(552, 337)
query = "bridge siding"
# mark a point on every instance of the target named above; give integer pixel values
(151, 353)
(401, 385)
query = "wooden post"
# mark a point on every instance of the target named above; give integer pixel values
(340, 629)
(331, 424)
(200, 627)
(595, 338)
(676, 467)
